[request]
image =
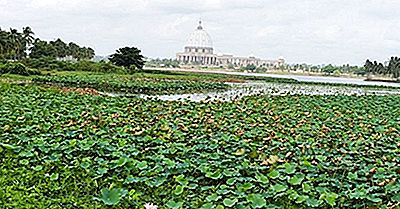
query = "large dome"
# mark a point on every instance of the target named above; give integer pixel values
(199, 38)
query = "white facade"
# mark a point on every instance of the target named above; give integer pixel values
(199, 51)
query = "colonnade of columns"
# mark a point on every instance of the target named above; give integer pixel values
(204, 60)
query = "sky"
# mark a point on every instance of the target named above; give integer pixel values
(302, 31)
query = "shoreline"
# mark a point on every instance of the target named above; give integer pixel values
(299, 77)
(214, 70)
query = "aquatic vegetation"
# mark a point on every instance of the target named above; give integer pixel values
(68, 150)
(127, 84)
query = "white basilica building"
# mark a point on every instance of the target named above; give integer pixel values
(199, 51)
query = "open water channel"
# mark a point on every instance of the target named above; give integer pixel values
(240, 90)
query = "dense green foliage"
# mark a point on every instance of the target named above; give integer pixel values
(167, 63)
(130, 84)
(249, 68)
(305, 68)
(17, 69)
(16, 45)
(128, 57)
(204, 76)
(66, 151)
(59, 49)
(392, 69)
(327, 69)
(49, 64)
(13, 44)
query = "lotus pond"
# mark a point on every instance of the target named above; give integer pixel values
(128, 84)
(65, 150)
(240, 90)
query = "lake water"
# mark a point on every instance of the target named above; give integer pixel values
(320, 79)
(304, 78)
(274, 89)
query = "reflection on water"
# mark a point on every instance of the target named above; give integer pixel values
(250, 89)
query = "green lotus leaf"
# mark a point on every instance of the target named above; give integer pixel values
(207, 206)
(214, 175)
(256, 200)
(178, 190)
(24, 162)
(297, 179)
(290, 168)
(306, 187)
(122, 161)
(38, 168)
(246, 186)
(102, 171)
(174, 205)
(274, 174)
(8, 146)
(374, 199)
(54, 177)
(142, 165)
(396, 198)
(231, 181)
(230, 202)
(213, 198)
(302, 198)
(279, 188)
(182, 180)
(330, 198)
(111, 196)
(229, 172)
(312, 202)
(85, 165)
(262, 179)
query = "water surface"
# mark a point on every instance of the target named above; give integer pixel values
(239, 91)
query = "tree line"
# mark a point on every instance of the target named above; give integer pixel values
(17, 45)
(392, 68)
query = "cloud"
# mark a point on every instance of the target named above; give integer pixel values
(312, 31)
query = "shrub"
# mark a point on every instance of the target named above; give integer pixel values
(18, 69)
(84, 65)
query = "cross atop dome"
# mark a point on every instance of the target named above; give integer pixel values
(200, 27)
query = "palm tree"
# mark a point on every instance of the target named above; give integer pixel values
(4, 43)
(18, 47)
(28, 35)
(61, 47)
(28, 38)
(73, 50)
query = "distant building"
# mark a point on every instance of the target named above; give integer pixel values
(101, 58)
(199, 51)
(68, 58)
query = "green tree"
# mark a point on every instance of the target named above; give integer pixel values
(5, 44)
(61, 48)
(128, 57)
(16, 41)
(85, 53)
(329, 69)
(73, 50)
(42, 49)
(28, 36)
(250, 68)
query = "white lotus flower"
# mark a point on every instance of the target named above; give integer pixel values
(150, 206)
